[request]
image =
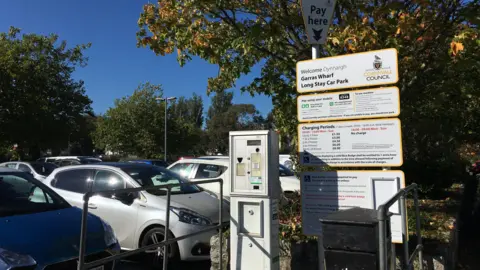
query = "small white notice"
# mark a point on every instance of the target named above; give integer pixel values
(326, 192)
(347, 71)
(369, 103)
(317, 16)
(365, 143)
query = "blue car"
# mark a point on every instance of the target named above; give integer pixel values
(155, 162)
(40, 230)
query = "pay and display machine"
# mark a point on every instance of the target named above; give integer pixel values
(254, 195)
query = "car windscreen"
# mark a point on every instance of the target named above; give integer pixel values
(44, 168)
(156, 177)
(21, 194)
(286, 171)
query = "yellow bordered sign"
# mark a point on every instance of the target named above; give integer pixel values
(347, 71)
(358, 143)
(364, 183)
(360, 104)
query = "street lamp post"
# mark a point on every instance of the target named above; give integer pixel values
(165, 136)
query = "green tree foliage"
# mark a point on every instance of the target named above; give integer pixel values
(135, 125)
(185, 133)
(437, 40)
(189, 110)
(224, 116)
(80, 141)
(40, 104)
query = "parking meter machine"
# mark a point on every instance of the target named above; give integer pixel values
(254, 194)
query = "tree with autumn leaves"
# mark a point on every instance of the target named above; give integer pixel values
(439, 61)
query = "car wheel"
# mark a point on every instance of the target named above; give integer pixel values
(155, 255)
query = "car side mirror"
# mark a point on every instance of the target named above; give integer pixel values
(126, 198)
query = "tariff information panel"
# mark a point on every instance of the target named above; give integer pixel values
(347, 71)
(326, 192)
(365, 143)
(369, 103)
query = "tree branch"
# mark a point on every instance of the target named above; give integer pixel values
(229, 20)
(293, 34)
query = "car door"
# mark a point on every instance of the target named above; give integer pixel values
(207, 171)
(73, 184)
(120, 214)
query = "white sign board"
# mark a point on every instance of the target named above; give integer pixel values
(369, 103)
(347, 71)
(365, 143)
(325, 192)
(317, 16)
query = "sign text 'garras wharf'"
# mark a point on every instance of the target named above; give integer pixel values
(346, 71)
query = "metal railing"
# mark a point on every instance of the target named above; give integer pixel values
(407, 261)
(83, 233)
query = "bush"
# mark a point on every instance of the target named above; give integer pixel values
(290, 216)
(433, 176)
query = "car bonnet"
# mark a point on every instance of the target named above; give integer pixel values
(203, 203)
(52, 236)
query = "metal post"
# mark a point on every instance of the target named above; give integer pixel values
(393, 259)
(382, 253)
(403, 213)
(167, 229)
(321, 255)
(166, 99)
(220, 222)
(418, 229)
(165, 140)
(83, 233)
(315, 51)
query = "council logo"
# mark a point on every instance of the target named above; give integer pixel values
(377, 63)
(379, 72)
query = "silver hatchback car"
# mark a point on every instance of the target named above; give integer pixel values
(139, 219)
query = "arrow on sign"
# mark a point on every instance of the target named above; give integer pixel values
(317, 16)
(317, 34)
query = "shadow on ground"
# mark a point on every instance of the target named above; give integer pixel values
(137, 263)
(468, 224)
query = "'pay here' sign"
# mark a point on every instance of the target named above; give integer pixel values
(317, 16)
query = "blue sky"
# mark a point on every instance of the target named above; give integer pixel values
(116, 66)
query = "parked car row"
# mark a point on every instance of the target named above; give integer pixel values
(41, 201)
(138, 219)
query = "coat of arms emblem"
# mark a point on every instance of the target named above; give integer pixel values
(377, 64)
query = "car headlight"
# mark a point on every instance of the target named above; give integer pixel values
(109, 235)
(190, 217)
(12, 260)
